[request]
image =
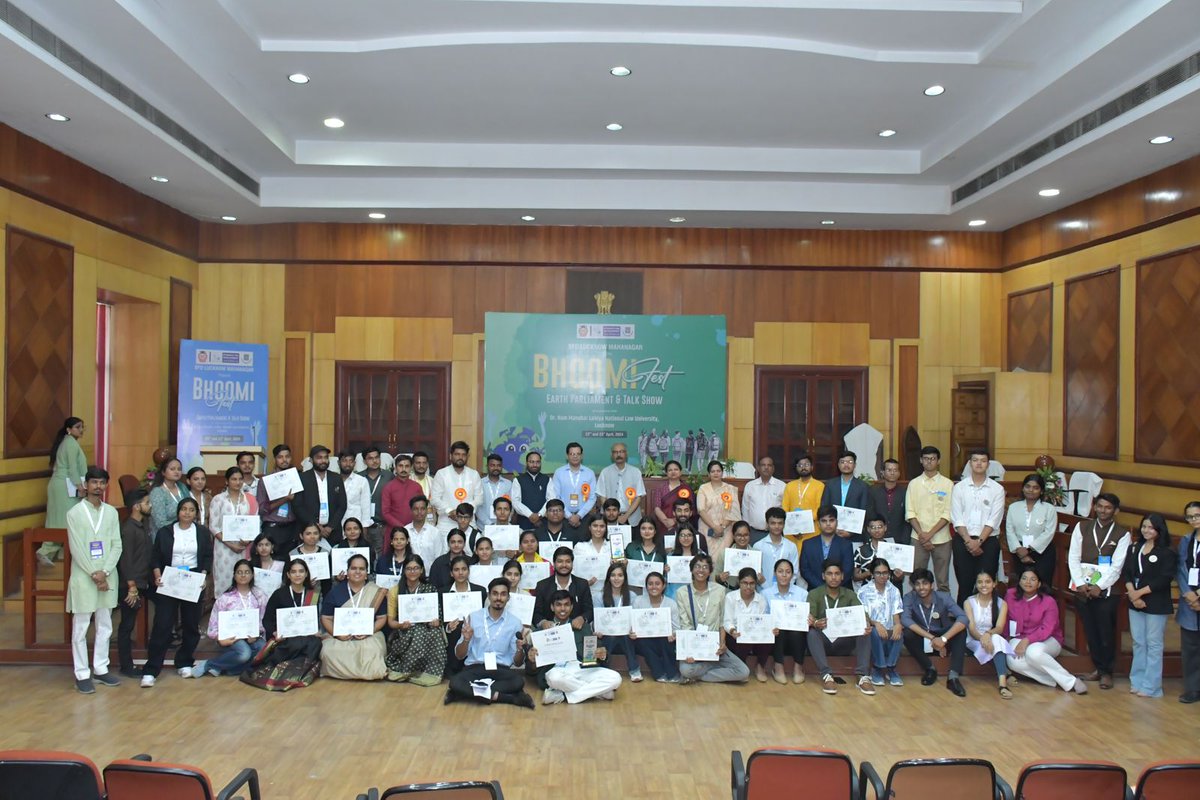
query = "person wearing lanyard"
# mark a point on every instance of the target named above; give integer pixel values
(775, 546)
(94, 542)
(278, 515)
(575, 485)
(228, 549)
(492, 647)
(701, 607)
(494, 486)
(827, 546)
(377, 480)
(236, 654)
(1188, 615)
(298, 590)
(934, 623)
(1150, 567)
(358, 657)
(323, 500)
(581, 592)
(831, 594)
(803, 493)
(1095, 560)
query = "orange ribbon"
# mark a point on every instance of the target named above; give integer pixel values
(631, 493)
(587, 490)
(460, 494)
(685, 493)
(726, 499)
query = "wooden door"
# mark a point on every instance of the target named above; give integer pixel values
(970, 424)
(808, 410)
(399, 408)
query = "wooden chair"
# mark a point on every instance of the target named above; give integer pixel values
(138, 778)
(778, 771)
(1065, 780)
(923, 778)
(1168, 780)
(127, 483)
(447, 790)
(40, 774)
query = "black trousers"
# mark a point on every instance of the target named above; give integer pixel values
(506, 682)
(956, 647)
(790, 643)
(125, 631)
(283, 537)
(1190, 647)
(1099, 618)
(1043, 564)
(967, 567)
(166, 610)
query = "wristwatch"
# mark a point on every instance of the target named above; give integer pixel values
(943, 638)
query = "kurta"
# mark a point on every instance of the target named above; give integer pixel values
(69, 462)
(94, 538)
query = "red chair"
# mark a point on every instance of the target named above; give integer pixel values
(137, 779)
(1051, 780)
(40, 774)
(1168, 780)
(780, 771)
(925, 778)
(447, 790)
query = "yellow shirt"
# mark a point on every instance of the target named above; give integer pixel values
(927, 501)
(804, 494)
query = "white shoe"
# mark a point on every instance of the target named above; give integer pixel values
(147, 681)
(186, 672)
(552, 697)
(609, 695)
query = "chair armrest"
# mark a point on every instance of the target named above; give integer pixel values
(737, 775)
(247, 777)
(868, 774)
(1003, 789)
(370, 794)
(1129, 793)
(141, 757)
(499, 792)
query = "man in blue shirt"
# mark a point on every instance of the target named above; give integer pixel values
(934, 623)
(492, 647)
(575, 485)
(828, 545)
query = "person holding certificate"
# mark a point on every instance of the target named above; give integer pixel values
(746, 602)
(262, 554)
(581, 593)
(354, 656)
(616, 595)
(987, 622)
(528, 553)
(775, 546)
(701, 607)
(492, 647)
(881, 599)
(648, 545)
(392, 561)
(866, 552)
(598, 554)
(416, 650)
(290, 661)
(847, 490)
(832, 596)
(688, 543)
(227, 549)
(439, 571)
(237, 650)
(790, 641)
(569, 679)
(186, 546)
(933, 623)
(460, 573)
(312, 543)
(659, 651)
(512, 572)
(827, 546)
(353, 538)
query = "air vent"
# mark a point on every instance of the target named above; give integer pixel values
(1163, 81)
(23, 24)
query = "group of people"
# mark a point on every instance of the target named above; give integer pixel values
(609, 546)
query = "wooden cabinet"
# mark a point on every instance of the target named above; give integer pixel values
(970, 425)
(807, 410)
(399, 408)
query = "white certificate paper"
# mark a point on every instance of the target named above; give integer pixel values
(737, 560)
(590, 565)
(281, 484)
(651, 623)
(504, 537)
(238, 623)
(533, 572)
(292, 622)
(898, 556)
(318, 565)
(482, 575)
(350, 621)
(267, 580)
(417, 607)
(681, 569)
(846, 621)
(386, 581)
(613, 621)
(554, 645)
(799, 523)
(624, 531)
(459, 605)
(697, 645)
(755, 629)
(340, 556)
(790, 615)
(521, 607)
(182, 584)
(547, 549)
(638, 570)
(241, 527)
(851, 519)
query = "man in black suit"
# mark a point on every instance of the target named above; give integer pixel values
(581, 592)
(847, 490)
(886, 500)
(323, 501)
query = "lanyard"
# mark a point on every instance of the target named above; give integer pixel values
(800, 502)
(576, 478)
(355, 599)
(237, 504)
(703, 608)
(928, 615)
(243, 601)
(835, 604)
(375, 485)
(293, 595)
(488, 628)
(1096, 539)
(99, 518)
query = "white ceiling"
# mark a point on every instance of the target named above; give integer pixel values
(737, 114)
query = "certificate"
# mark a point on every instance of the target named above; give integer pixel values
(554, 645)
(624, 531)
(613, 621)
(617, 543)
(238, 623)
(482, 575)
(697, 645)
(521, 607)
(669, 542)
(737, 560)
(680, 569)
(182, 584)
(267, 580)
(898, 556)
(650, 623)
(386, 581)
(547, 549)
(638, 570)
(790, 615)
(533, 572)
(459, 605)
(851, 519)
(241, 527)
(339, 556)
(318, 565)
(504, 537)
(590, 565)
(799, 523)
(291, 622)
(846, 621)
(417, 607)
(281, 484)
(350, 621)
(755, 629)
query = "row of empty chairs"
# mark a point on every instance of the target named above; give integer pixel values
(773, 773)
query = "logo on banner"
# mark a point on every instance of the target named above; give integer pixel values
(602, 331)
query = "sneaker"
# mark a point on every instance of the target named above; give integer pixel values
(186, 672)
(678, 679)
(84, 686)
(894, 678)
(635, 675)
(552, 697)
(609, 695)
(877, 677)
(828, 684)
(865, 686)
(107, 679)
(147, 681)
(660, 679)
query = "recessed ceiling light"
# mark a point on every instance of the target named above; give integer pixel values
(614, 126)
(975, 223)
(826, 222)
(1073, 224)
(229, 218)
(528, 218)
(1166, 196)
(1048, 192)
(678, 219)
(886, 132)
(298, 77)
(334, 122)
(159, 178)
(377, 215)
(58, 118)
(620, 72)
(935, 90)
(937, 241)
(1162, 140)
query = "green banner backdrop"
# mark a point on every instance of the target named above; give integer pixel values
(655, 382)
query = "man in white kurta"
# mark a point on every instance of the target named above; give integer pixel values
(570, 680)
(94, 541)
(453, 484)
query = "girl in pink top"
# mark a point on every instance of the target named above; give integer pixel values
(1036, 635)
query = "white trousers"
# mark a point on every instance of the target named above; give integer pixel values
(79, 629)
(1039, 663)
(580, 684)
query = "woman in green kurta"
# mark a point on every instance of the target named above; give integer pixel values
(68, 464)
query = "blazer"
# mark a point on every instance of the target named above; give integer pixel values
(1187, 619)
(899, 529)
(944, 612)
(1156, 574)
(856, 497)
(581, 594)
(810, 560)
(164, 543)
(308, 503)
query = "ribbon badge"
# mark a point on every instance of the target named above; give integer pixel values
(460, 494)
(630, 493)
(587, 490)
(685, 493)
(726, 499)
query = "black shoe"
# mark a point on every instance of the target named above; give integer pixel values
(84, 686)
(929, 678)
(955, 685)
(1190, 697)
(132, 672)
(449, 698)
(523, 700)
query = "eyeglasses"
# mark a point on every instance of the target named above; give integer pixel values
(1192, 517)
(881, 574)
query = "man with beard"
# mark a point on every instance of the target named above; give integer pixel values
(420, 474)
(562, 579)
(358, 493)
(323, 501)
(279, 515)
(492, 648)
(803, 493)
(530, 492)
(246, 463)
(397, 498)
(621, 482)
(494, 486)
(453, 484)
(377, 480)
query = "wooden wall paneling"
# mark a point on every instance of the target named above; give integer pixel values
(295, 393)
(1167, 386)
(907, 396)
(1030, 323)
(547, 290)
(39, 314)
(135, 391)
(1091, 369)
(179, 328)
(463, 305)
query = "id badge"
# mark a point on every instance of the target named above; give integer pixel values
(489, 660)
(1012, 629)
(96, 549)
(701, 627)
(1104, 561)
(1194, 576)
(284, 510)
(574, 501)
(928, 645)
(372, 513)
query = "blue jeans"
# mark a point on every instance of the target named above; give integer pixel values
(234, 659)
(1147, 631)
(884, 654)
(621, 646)
(660, 657)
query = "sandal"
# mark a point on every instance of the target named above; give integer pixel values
(1006, 693)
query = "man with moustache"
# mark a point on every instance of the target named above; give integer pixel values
(494, 486)
(622, 482)
(377, 480)
(358, 494)
(453, 484)
(760, 494)
(323, 500)
(530, 492)
(398, 496)
(279, 515)
(805, 493)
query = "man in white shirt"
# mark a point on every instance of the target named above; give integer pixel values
(424, 538)
(358, 493)
(453, 484)
(623, 483)
(759, 495)
(976, 508)
(494, 486)
(246, 462)
(1095, 559)
(775, 547)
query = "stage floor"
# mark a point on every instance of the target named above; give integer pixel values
(334, 739)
